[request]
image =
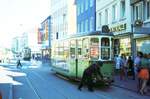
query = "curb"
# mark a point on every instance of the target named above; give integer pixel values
(129, 89)
(124, 88)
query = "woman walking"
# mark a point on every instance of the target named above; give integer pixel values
(143, 75)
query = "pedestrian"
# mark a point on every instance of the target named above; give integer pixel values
(137, 67)
(130, 65)
(122, 70)
(125, 66)
(143, 75)
(117, 63)
(87, 78)
(19, 63)
(148, 83)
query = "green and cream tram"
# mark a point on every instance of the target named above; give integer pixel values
(70, 56)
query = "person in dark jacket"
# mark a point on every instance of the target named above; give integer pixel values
(130, 65)
(19, 63)
(87, 78)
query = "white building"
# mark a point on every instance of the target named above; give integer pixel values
(20, 42)
(141, 12)
(63, 17)
(117, 15)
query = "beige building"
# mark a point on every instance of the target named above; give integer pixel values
(63, 14)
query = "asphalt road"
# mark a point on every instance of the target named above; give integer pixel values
(39, 82)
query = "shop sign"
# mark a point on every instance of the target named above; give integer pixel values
(118, 28)
(40, 31)
(135, 1)
(46, 31)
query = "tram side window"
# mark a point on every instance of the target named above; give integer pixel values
(105, 48)
(66, 50)
(79, 48)
(85, 48)
(73, 49)
(72, 52)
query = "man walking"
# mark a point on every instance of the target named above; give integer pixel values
(19, 63)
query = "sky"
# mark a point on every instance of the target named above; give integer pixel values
(16, 16)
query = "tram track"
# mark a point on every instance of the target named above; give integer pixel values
(44, 81)
(66, 79)
(33, 88)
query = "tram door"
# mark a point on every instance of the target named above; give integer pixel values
(73, 58)
(80, 58)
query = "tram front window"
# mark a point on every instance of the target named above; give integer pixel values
(72, 52)
(85, 48)
(105, 49)
(94, 48)
(72, 49)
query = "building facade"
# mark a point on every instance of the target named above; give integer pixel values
(45, 34)
(19, 43)
(141, 25)
(63, 15)
(86, 18)
(116, 14)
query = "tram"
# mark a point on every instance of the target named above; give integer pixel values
(72, 55)
(26, 53)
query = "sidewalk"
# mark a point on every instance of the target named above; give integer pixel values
(5, 85)
(128, 84)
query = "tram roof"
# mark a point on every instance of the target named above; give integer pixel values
(91, 33)
(83, 34)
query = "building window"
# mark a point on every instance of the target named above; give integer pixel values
(148, 9)
(91, 23)
(82, 26)
(86, 25)
(99, 19)
(78, 9)
(91, 3)
(86, 4)
(138, 11)
(114, 12)
(106, 16)
(82, 7)
(78, 27)
(122, 11)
